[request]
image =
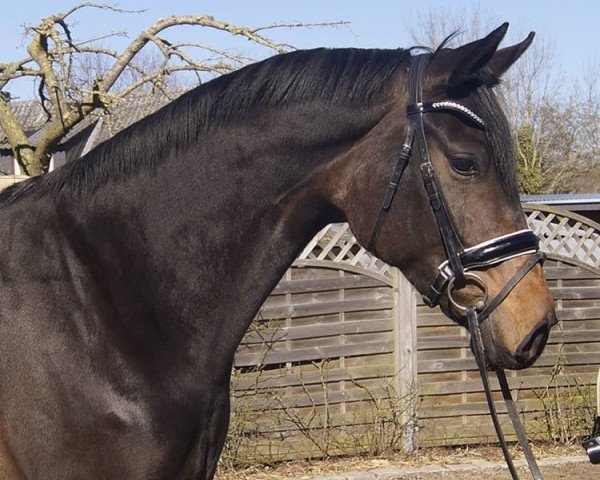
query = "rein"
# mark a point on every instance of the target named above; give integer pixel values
(474, 321)
(454, 273)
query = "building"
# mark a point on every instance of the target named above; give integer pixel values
(586, 204)
(96, 128)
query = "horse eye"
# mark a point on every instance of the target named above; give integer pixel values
(463, 165)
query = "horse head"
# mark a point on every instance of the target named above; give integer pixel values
(447, 211)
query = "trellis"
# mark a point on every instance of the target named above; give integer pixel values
(335, 245)
(566, 235)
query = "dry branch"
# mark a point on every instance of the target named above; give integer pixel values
(56, 59)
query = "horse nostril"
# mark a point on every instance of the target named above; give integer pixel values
(532, 344)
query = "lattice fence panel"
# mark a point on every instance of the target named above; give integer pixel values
(336, 243)
(571, 237)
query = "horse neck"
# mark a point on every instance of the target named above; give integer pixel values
(206, 235)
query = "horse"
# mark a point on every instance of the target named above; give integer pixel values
(131, 274)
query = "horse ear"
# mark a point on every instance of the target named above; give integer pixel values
(480, 62)
(503, 59)
(470, 60)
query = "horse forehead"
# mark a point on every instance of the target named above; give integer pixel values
(454, 131)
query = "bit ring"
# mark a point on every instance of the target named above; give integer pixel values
(472, 278)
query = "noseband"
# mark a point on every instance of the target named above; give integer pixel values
(456, 271)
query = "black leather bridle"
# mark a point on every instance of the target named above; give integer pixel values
(460, 260)
(457, 270)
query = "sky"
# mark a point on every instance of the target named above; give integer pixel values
(572, 27)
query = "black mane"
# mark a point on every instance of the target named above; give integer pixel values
(344, 76)
(348, 75)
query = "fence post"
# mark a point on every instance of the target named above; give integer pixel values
(405, 352)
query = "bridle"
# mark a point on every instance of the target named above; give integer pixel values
(457, 270)
(460, 260)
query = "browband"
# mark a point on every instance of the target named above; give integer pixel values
(445, 105)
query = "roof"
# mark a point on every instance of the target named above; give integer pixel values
(120, 114)
(574, 201)
(29, 114)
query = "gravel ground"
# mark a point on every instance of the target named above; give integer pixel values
(572, 468)
(481, 463)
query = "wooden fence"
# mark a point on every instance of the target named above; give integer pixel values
(345, 357)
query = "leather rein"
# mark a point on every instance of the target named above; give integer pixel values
(456, 271)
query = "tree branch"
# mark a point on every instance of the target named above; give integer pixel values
(10, 71)
(273, 26)
(16, 136)
(60, 17)
(70, 89)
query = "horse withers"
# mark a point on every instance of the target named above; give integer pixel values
(131, 274)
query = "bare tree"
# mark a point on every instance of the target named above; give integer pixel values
(573, 161)
(431, 28)
(75, 78)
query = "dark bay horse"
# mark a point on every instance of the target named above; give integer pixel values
(130, 276)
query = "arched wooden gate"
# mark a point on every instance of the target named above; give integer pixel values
(345, 357)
